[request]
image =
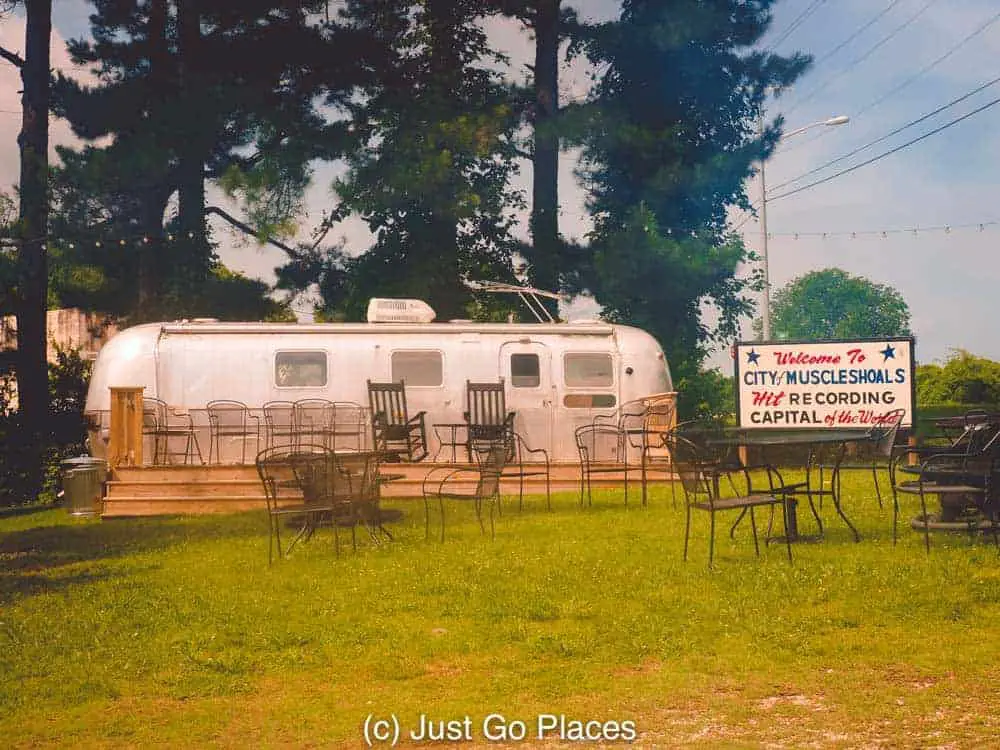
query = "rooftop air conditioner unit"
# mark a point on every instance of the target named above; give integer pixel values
(381, 310)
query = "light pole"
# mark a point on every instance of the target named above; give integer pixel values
(838, 120)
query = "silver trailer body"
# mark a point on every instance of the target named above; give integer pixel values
(557, 376)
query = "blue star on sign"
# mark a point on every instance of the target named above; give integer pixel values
(888, 353)
(752, 357)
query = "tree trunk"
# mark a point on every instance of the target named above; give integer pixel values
(151, 260)
(544, 269)
(191, 151)
(32, 295)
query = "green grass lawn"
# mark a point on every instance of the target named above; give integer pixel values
(175, 632)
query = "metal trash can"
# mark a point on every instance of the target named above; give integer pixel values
(83, 485)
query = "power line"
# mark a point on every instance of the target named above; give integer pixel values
(930, 67)
(889, 135)
(890, 152)
(895, 90)
(868, 53)
(857, 32)
(799, 20)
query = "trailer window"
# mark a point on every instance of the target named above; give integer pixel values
(525, 371)
(300, 369)
(418, 368)
(590, 370)
(589, 400)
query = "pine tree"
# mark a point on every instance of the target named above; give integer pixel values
(670, 141)
(188, 88)
(435, 153)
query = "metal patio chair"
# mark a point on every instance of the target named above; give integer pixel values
(397, 435)
(602, 450)
(966, 484)
(231, 419)
(349, 425)
(313, 420)
(873, 454)
(296, 486)
(702, 468)
(479, 485)
(167, 427)
(279, 423)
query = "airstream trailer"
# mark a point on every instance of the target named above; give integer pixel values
(558, 376)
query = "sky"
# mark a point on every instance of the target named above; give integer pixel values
(924, 220)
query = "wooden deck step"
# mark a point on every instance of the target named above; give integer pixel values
(139, 488)
(153, 490)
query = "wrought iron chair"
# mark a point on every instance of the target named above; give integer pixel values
(525, 462)
(603, 450)
(701, 469)
(966, 485)
(359, 482)
(873, 454)
(349, 425)
(166, 428)
(313, 420)
(231, 419)
(480, 486)
(396, 434)
(646, 432)
(279, 423)
(486, 415)
(295, 486)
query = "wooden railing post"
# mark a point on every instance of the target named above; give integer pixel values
(125, 443)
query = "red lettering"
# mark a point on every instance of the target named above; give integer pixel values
(801, 358)
(766, 398)
(855, 355)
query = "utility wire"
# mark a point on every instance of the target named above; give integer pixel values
(863, 28)
(890, 152)
(908, 81)
(900, 129)
(799, 20)
(868, 53)
(930, 67)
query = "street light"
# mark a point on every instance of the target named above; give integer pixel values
(838, 120)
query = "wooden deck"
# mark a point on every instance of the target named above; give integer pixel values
(162, 490)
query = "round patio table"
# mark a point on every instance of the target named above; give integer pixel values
(816, 440)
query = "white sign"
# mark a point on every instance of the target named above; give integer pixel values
(823, 384)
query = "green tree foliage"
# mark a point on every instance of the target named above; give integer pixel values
(963, 379)
(708, 394)
(193, 90)
(669, 140)
(434, 155)
(832, 304)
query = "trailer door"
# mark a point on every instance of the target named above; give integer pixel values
(526, 368)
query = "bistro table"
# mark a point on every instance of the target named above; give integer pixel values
(816, 441)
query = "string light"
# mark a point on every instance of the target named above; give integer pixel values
(884, 233)
(73, 244)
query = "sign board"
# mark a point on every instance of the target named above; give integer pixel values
(823, 383)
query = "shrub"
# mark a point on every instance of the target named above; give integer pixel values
(63, 436)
